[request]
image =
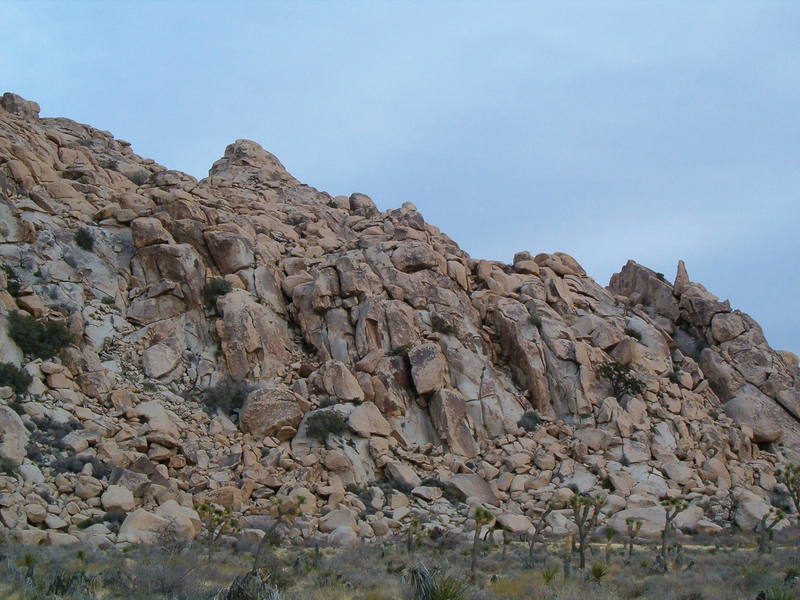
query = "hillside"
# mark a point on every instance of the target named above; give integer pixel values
(443, 380)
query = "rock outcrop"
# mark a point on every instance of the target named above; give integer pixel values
(372, 371)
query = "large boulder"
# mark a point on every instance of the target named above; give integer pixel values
(337, 381)
(267, 410)
(337, 519)
(255, 340)
(752, 408)
(184, 521)
(428, 367)
(13, 436)
(653, 520)
(448, 412)
(142, 527)
(472, 485)
(366, 420)
(157, 418)
(117, 497)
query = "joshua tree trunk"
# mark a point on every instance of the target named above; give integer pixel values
(475, 541)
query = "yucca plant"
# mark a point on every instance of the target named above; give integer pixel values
(598, 570)
(549, 574)
(428, 585)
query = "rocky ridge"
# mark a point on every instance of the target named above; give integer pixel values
(460, 381)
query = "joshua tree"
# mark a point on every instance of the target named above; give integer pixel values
(585, 513)
(411, 534)
(633, 525)
(673, 507)
(609, 535)
(569, 544)
(789, 476)
(765, 529)
(217, 522)
(538, 530)
(482, 517)
(284, 509)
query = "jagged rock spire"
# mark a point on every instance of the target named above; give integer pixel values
(681, 279)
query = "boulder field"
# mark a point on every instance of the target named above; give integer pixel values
(247, 341)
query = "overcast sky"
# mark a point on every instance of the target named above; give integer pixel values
(607, 130)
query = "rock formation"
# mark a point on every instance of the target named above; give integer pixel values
(459, 380)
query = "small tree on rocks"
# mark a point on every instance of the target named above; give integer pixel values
(673, 507)
(634, 526)
(482, 517)
(586, 514)
(766, 527)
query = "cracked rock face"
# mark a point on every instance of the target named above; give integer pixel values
(353, 357)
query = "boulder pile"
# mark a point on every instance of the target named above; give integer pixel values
(252, 343)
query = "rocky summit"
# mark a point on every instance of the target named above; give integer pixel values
(246, 341)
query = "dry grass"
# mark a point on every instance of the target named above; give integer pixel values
(727, 569)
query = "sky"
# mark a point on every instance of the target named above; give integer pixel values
(652, 131)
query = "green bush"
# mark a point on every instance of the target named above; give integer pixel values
(633, 333)
(530, 421)
(324, 423)
(7, 467)
(12, 282)
(439, 325)
(622, 380)
(84, 239)
(139, 177)
(213, 290)
(228, 395)
(42, 339)
(14, 377)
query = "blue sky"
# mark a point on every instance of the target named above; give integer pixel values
(655, 131)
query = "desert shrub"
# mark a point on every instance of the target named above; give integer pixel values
(324, 423)
(253, 585)
(84, 239)
(12, 281)
(598, 570)
(7, 467)
(14, 377)
(111, 517)
(535, 320)
(75, 464)
(42, 339)
(779, 592)
(530, 421)
(109, 163)
(439, 325)
(401, 350)
(427, 585)
(214, 289)
(227, 396)
(633, 333)
(621, 378)
(139, 177)
(661, 276)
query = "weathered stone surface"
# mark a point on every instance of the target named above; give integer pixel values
(428, 367)
(147, 231)
(337, 519)
(367, 420)
(142, 527)
(267, 410)
(448, 413)
(472, 486)
(117, 497)
(653, 520)
(159, 359)
(403, 475)
(13, 436)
